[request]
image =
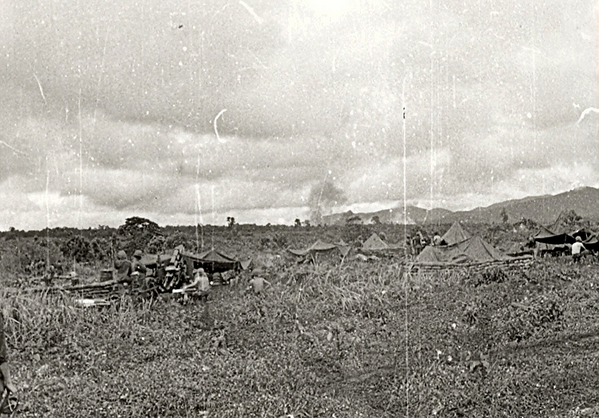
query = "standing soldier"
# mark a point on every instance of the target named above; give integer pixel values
(578, 249)
(416, 244)
(138, 268)
(122, 267)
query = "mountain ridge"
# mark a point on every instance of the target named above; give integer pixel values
(543, 209)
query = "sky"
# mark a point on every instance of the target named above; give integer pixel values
(193, 111)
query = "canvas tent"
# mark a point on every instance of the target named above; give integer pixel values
(545, 236)
(473, 249)
(374, 242)
(212, 261)
(454, 235)
(343, 247)
(321, 247)
(592, 243)
(375, 245)
(583, 234)
(151, 260)
(247, 264)
(318, 246)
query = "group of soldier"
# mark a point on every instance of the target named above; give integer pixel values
(136, 274)
(129, 270)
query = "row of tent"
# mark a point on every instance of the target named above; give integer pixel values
(457, 246)
(589, 239)
(373, 245)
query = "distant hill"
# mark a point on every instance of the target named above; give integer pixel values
(413, 215)
(542, 209)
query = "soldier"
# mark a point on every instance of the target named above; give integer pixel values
(436, 239)
(137, 264)
(257, 282)
(416, 244)
(138, 269)
(200, 285)
(578, 249)
(122, 267)
(6, 381)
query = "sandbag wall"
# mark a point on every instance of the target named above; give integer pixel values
(516, 263)
(101, 290)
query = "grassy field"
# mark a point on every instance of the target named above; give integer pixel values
(356, 340)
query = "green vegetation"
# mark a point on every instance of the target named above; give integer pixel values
(349, 340)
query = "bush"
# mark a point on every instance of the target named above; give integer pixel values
(76, 248)
(519, 321)
(157, 245)
(488, 276)
(176, 239)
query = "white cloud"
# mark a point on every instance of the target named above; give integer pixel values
(126, 119)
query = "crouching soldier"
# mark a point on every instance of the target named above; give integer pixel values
(257, 282)
(200, 287)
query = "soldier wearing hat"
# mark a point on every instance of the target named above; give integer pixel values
(138, 269)
(137, 264)
(122, 266)
(578, 249)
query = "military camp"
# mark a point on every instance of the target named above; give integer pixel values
(299, 209)
(224, 293)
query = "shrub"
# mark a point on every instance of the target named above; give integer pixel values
(519, 321)
(76, 248)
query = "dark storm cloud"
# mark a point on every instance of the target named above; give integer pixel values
(118, 101)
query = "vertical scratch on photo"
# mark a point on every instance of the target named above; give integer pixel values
(432, 132)
(47, 213)
(534, 77)
(405, 221)
(213, 219)
(98, 88)
(199, 223)
(80, 162)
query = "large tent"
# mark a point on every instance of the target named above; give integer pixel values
(375, 245)
(592, 243)
(545, 236)
(473, 249)
(213, 261)
(583, 234)
(322, 247)
(152, 260)
(374, 242)
(454, 235)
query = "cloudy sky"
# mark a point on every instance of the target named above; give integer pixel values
(187, 111)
